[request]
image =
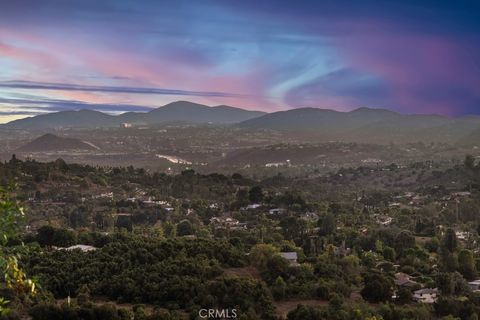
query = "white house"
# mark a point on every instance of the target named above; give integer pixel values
(475, 285)
(290, 256)
(276, 211)
(82, 247)
(427, 295)
(252, 206)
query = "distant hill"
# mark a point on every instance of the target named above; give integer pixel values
(50, 143)
(184, 111)
(365, 125)
(325, 123)
(65, 119)
(180, 111)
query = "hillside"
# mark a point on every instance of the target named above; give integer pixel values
(197, 113)
(64, 119)
(366, 125)
(180, 111)
(50, 142)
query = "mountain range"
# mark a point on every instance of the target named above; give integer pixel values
(180, 111)
(367, 125)
(360, 125)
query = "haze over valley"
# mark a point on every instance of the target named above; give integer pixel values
(187, 135)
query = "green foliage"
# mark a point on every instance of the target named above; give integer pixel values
(92, 312)
(174, 272)
(327, 224)
(452, 283)
(279, 288)
(377, 287)
(450, 241)
(261, 253)
(466, 264)
(255, 195)
(51, 236)
(13, 276)
(184, 228)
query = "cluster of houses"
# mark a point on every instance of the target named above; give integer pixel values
(424, 295)
(227, 223)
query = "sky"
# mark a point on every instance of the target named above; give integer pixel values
(270, 55)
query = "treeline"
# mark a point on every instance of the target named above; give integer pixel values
(89, 311)
(175, 274)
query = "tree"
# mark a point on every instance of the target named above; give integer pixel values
(255, 195)
(449, 261)
(452, 283)
(11, 217)
(184, 228)
(279, 288)
(276, 266)
(261, 253)
(51, 236)
(389, 254)
(293, 227)
(450, 241)
(403, 241)
(377, 287)
(327, 224)
(46, 235)
(469, 162)
(169, 229)
(83, 295)
(404, 295)
(466, 264)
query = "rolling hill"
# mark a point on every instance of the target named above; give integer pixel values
(65, 119)
(365, 125)
(307, 124)
(184, 111)
(52, 143)
(180, 111)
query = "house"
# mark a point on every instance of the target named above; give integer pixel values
(310, 216)
(461, 194)
(275, 164)
(462, 235)
(224, 221)
(151, 202)
(383, 220)
(82, 247)
(404, 280)
(105, 195)
(475, 285)
(227, 223)
(427, 295)
(276, 211)
(214, 206)
(252, 206)
(125, 125)
(291, 257)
